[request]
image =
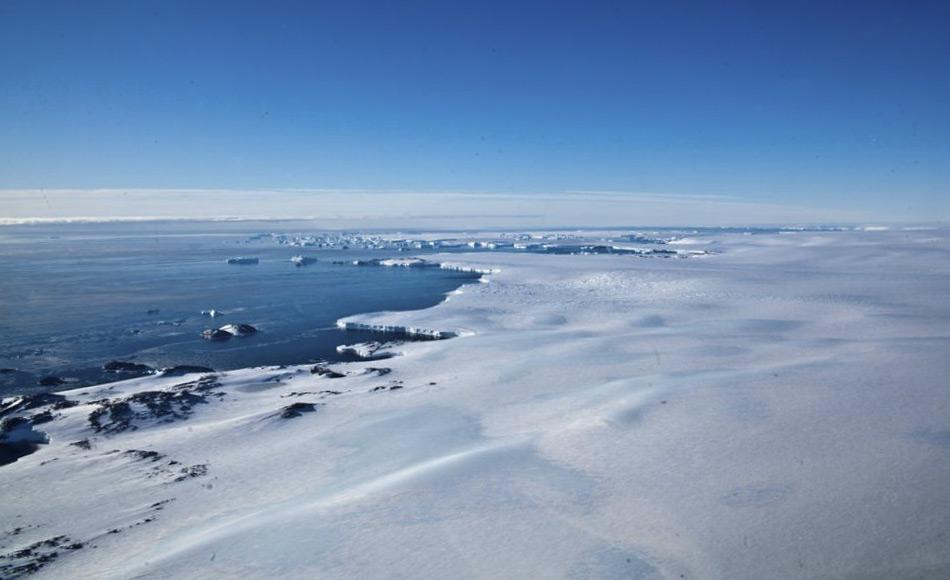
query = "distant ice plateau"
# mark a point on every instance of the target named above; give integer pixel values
(776, 409)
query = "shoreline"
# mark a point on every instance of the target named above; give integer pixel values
(648, 416)
(170, 330)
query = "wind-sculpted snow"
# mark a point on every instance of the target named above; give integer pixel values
(777, 409)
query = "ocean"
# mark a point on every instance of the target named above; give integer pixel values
(74, 297)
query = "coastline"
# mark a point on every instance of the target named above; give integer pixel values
(64, 335)
(593, 413)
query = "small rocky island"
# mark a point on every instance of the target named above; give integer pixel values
(227, 331)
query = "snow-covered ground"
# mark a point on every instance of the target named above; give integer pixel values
(777, 409)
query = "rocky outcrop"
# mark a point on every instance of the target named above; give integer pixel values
(148, 407)
(296, 410)
(117, 366)
(179, 370)
(239, 329)
(326, 372)
(216, 334)
(227, 331)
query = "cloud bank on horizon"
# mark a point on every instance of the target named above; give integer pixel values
(404, 209)
(839, 110)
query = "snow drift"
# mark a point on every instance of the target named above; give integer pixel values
(776, 410)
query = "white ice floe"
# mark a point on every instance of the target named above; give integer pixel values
(396, 329)
(424, 263)
(300, 261)
(407, 263)
(373, 350)
(776, 410)
(686, 241)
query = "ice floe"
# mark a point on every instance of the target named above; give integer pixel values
(300, 261)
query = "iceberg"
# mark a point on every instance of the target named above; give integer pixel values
(373, 350)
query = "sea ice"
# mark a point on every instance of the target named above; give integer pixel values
(300, 261)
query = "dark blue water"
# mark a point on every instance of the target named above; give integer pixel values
(73, 297)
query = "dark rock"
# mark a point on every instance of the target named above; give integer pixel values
(7, 370)
(296, 410)
(380, 371)
(25, 402)
(323, 393)
(117, 366)
(180, 370)
(239, 329)
(121, 414)
(10, 452)
(40, 418)
(246, 329)
(152, 311)
(326, 372)
(51, 381)
(202, 385)
(160, 505)
(34, 557)
(242, 261)
(395, 387)
(9, 424)
(82, 444)
(215, 334)
(145, 455)
(117, 415)
(192, 471)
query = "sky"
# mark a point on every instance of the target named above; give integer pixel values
(841, 109)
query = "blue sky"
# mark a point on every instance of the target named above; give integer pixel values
(833, 107)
